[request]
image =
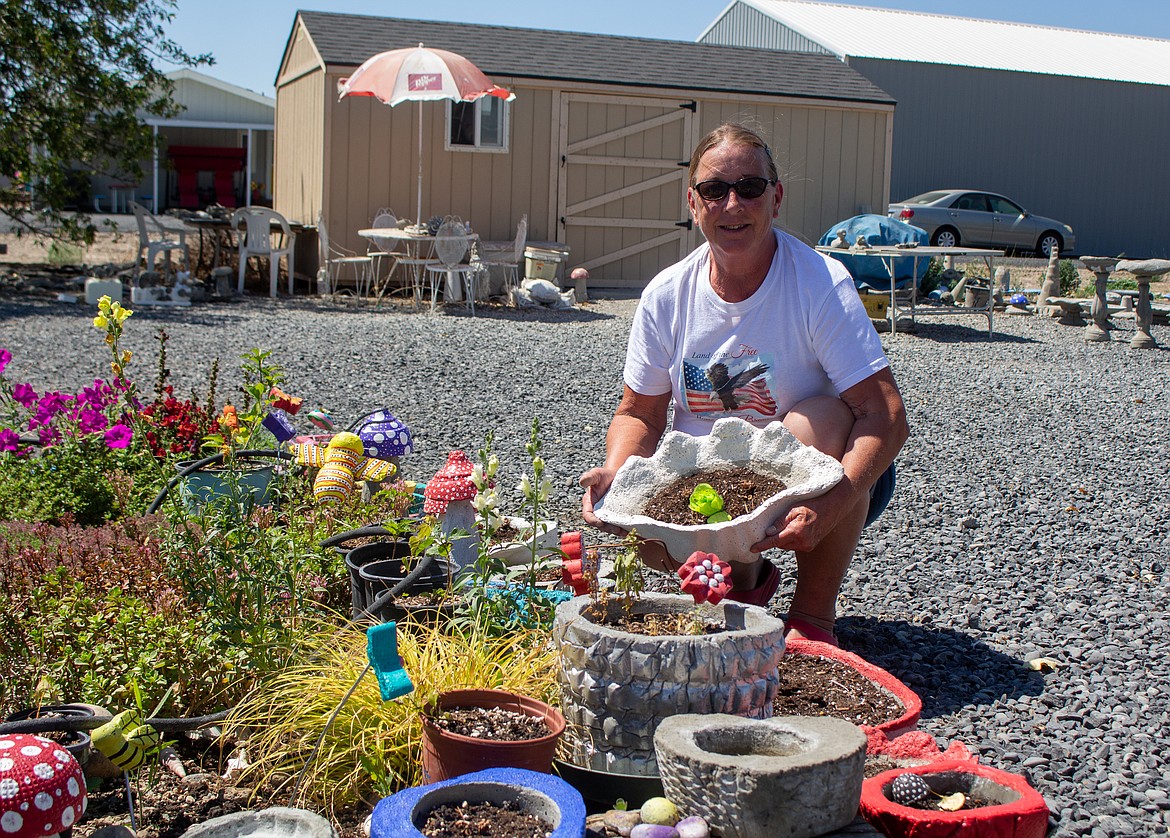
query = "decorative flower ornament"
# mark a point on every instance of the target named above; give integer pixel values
(342, 464)
(706, 577)
(706, 501)
(42, 788)
(283, 401)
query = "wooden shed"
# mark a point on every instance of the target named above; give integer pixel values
(593, 149)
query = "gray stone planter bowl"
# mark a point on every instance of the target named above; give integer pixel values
(795, 776)
(275, 822)
(771, 451)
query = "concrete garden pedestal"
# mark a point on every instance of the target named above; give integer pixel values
(1101, 266)
(1144, 271)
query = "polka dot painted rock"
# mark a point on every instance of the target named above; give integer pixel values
(384, 436)
(42, 788)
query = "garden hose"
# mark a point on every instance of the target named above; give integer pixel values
(214, 460)
(387, 596)
(75, 723)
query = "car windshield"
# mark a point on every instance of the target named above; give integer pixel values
(926, 198)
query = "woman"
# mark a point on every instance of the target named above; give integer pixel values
(755, 324)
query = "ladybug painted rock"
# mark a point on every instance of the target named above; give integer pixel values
(909, 789)
(42, 788)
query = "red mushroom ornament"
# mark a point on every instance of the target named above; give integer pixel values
(42, 788)
(448, 494)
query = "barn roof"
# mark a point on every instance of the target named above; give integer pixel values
(861, 32)
(346, 40)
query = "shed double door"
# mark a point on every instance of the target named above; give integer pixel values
(621, 188)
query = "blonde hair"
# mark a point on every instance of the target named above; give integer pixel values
(730, 132)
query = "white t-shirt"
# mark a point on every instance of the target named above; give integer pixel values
(803, 333)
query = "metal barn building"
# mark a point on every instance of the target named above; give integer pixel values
(1071, 124)
(593, 149)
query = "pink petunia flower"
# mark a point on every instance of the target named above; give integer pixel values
(90, 421)
(52, 403)
(5, 357)
(10, 441)
(47, 435)
(119, 436)
(25, 394)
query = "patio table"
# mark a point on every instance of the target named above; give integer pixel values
(417, 244)
(909, 300)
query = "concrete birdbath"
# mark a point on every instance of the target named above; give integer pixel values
(1101, 266)
(1144, 271)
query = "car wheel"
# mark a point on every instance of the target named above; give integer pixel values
(1048, 241)
(945, 237)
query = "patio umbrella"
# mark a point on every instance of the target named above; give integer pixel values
(420, 75)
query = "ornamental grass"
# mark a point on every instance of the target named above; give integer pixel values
(372, 748)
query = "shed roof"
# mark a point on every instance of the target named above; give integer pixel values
(347, 40)
(863, 32)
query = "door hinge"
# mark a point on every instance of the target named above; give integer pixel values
(689, 224)
(691, 106)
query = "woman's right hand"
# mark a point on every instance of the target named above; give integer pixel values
(596, 483)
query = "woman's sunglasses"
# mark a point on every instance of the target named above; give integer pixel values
(746, 188)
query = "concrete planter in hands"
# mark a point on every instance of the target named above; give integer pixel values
(771, 451)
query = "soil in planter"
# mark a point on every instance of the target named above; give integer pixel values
(685, 624)
(742, 490)
(934, 804)
(471, 820)
(811, 685)
(496, 723)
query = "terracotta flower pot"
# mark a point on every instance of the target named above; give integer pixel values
(1017, 810)
(447, 755)
(911, 703)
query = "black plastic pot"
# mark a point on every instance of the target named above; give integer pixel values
(601, 789)
(387, 573)
(77, 742)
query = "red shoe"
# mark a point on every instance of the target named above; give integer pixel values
(810, 632)
(762, 593)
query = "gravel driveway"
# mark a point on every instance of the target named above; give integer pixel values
(1032, 515)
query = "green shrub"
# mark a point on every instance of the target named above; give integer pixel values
(100, 646)
(1070, 278)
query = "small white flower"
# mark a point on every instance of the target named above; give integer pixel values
(525, 486)
(545, 488)
(493, 466)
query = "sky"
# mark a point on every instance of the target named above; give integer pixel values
(247, 37)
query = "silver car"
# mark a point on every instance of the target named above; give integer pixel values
(953, 217)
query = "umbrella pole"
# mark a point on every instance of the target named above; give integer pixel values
(418, 202)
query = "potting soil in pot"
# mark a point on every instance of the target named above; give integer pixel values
(741, 489)
(496, 723)
(811, 685)
(468, 820)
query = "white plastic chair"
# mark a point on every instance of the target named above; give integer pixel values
(511, 260)
(164, 241)
(261, 225)
(451, 243)
(335, 258)
(381, 249)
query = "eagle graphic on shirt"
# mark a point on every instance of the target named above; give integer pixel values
(716, 389)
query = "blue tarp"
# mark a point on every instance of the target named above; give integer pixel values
(869, 271)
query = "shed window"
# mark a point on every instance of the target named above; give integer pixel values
(482, 124)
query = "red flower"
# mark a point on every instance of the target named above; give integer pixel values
(706, 577)
(283, 401)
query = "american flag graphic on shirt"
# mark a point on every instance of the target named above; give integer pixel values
(703, 397)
